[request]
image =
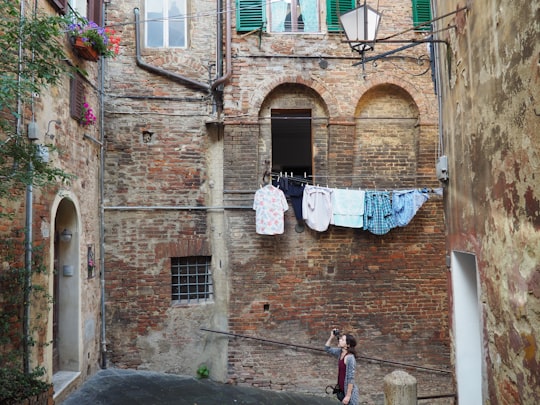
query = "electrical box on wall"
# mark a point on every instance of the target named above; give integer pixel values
(32, 131)
(441, 168)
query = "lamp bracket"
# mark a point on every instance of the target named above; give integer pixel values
(411, 44)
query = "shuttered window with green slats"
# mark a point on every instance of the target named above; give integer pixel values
(421, 13)
(251, 14)
(334, 8)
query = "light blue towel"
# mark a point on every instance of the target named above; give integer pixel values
(348, 208)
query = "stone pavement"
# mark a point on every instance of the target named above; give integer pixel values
(129, 387)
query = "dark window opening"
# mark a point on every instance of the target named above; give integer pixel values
(291, 142)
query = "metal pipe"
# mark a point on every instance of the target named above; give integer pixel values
(28, 209)
(322, 350)
(266, 56)
(91, 138)
(423, 398)
(158, 98)
(101, 143)
(228, 47)
(153, 69)
(438, 91)
(219, 35)
(176, 208)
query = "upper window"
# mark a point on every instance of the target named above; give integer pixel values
(293, 15)
(289, 15)
(80, 7)
(165, 22)
(421, 14)
(89, 9)
(291, 142)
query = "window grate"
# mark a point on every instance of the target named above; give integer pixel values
(191, 279)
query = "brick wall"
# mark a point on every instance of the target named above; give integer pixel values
(373, 132)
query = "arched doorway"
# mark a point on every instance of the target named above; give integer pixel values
(66, 292)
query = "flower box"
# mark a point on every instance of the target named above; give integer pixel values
(84, 50)
(92, 41)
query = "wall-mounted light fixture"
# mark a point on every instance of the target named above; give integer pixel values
(361, 26)
(57, 122)
(66, 235)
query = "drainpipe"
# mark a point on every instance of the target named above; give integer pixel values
(101, 210)
(154, 69)
(28, 211)
(228, 71)
(438, 85)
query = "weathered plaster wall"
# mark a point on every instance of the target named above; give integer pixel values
(491, 129)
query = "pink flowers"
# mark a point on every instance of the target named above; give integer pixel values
(87, 115)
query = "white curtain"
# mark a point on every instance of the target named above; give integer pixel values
(310, 15)
(278, 11)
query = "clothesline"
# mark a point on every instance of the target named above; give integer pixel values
(310, 179)
(319, 207)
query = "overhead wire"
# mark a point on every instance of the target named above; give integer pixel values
(192, 16)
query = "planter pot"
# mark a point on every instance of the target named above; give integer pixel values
(84, 51)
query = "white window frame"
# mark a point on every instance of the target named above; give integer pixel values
(284, 7)
(80, 6)
(166, 21)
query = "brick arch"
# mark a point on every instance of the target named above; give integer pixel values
(402, 102)
(389, 111)
(328, 99)
(426, 109)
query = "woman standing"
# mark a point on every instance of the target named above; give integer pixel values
(346, 353)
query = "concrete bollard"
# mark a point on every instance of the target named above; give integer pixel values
(400, 389)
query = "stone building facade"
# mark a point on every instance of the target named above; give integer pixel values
(490, 115)
(191, 132)
(65, 248)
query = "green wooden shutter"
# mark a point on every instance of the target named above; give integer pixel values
(334, 8)
(250, 15)
(421, 13)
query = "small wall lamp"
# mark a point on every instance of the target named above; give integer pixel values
(66, 235)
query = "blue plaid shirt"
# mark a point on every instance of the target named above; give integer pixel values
(378, 214)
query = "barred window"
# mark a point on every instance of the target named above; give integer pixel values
(191, 279)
